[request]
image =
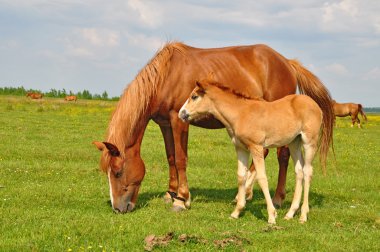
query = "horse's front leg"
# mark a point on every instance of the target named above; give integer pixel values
(180, 137)
(261, 178)
(167, 133)
(243, 157)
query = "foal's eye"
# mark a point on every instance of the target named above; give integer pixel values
(194, 97)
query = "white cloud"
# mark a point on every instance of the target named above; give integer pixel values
(337, 68)
(351, 16)
(101, 37)
(149, 14)
(373, 74)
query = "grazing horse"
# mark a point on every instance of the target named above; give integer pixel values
(160, 89)
(253, 125)
(34, 95)
(70, 98)
(349, 109)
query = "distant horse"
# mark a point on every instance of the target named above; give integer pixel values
(253, 125)
(160, 89)
(34, 95)
(70, 98)
(349, 109)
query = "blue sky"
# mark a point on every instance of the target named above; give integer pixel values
(101, 45)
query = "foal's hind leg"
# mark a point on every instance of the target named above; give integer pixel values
(310, 150)
(261, 177)
(251, 178)
(296, 153)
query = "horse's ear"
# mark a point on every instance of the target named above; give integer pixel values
(201, 86)
(112, 149)
(99, 145)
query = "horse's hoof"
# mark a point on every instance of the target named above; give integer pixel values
(178, 209)
(167, 198)
(287, 217)
(277, 202)
(234, 215)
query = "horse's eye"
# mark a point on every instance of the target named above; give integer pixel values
(194, 97)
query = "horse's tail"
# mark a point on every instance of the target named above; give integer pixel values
(362, 112)
(310, 85)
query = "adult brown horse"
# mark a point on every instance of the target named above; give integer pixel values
(71, 98)
(34, 95)
(349, 109)
(160, 89)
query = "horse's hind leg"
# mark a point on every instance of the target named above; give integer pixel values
(283, 155)
(296, 154)
(261, 178)
(251, 178)
(310, 149)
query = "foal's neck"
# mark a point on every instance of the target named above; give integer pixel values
(228, 107)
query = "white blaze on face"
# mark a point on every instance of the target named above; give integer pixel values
(109, 182)
(183, 107)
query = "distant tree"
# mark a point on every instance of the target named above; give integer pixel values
(105, 95)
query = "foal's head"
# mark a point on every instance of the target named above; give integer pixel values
(124, 186)
(198, 106)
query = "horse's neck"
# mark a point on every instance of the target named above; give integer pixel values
(228, 108)
(127, 128)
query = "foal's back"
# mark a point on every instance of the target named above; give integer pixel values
(277, 123)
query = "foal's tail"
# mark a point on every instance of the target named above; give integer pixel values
(310, 85)
(362, 112)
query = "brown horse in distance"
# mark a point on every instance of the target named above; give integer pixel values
(70, 98)
(349, 109)
(34, 95)
(160, 89)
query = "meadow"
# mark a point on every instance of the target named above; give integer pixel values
(53, 197)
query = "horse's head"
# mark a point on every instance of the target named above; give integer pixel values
(124, 183)
(198, 106)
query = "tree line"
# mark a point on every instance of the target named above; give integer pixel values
(85, 94)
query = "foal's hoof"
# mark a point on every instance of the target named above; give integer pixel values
(177, 208)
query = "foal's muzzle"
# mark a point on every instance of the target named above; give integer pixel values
(183, 115)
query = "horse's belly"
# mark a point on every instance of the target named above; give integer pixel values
(278, 141)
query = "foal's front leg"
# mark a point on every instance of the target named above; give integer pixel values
(243, 156)
(261, 177)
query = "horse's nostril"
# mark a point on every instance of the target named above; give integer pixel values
(117, 210)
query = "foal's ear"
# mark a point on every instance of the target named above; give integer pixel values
(112, 149)
(201, 86)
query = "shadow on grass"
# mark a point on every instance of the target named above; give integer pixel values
(227, 196)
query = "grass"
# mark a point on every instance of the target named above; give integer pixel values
(54, 198)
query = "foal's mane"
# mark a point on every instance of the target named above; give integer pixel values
(132, 110)
(233, 92)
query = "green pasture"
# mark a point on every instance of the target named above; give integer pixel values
(53, 197)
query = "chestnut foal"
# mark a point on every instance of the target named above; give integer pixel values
(295, 120)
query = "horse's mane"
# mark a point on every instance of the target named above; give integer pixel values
(131, 111)
(234, 92)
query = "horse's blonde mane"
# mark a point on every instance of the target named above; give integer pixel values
(131, 111)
